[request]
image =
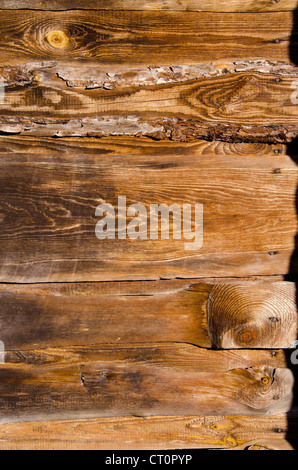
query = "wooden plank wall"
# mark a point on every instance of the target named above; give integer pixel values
(139, 344)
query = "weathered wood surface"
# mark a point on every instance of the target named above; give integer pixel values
(154, 432)
(143, 37)
(177, 103)
(239, 315)
(177, 5)
(48, 216)
(152, 380)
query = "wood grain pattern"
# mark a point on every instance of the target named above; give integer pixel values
(154, 432)
(101, 337)
(177, 5)
(48, 216)
(144, 37)
(125, 145)
(177, 103)
(151, 380)
(236, 315)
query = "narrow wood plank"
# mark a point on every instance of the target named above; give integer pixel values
(144, 381)
(235, 315)
(178, 103)
(48, 216)
(154, 432)
(143, 37)
(125, 145)
(176, 5)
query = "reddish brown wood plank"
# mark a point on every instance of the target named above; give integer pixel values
(143, 37)
(126, 145)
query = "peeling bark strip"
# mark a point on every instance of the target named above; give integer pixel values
(179, 5)
(239, 315)
(143, 37)
(150, 380)
(175, 103)
(48, 214)
(91, 78)
(154, 432)
(173, 129)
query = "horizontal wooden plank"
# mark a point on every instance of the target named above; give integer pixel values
(177, 103)
(177, 5)
(154, 432)
(236, 315)
(151, 380)
(143, 37)
(125, 145)
(48, 213)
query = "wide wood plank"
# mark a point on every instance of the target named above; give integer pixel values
(177, 103)
(154, 432)
(235, 315)
(143, 37)
(144, 381)
(48, 215)
(178, 5)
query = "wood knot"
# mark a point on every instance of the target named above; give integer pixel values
(266, 381)
(230, 441)
(247, 336)
(252, 315)
(266, 389)
(58, 39)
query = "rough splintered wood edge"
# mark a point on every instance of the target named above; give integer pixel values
(251, 314)
(156, 433)
(177, 130)
(110, 76)
(36, 84)
(178, 5)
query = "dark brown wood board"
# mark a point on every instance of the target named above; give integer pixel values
(151, 380)
(48, 205)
